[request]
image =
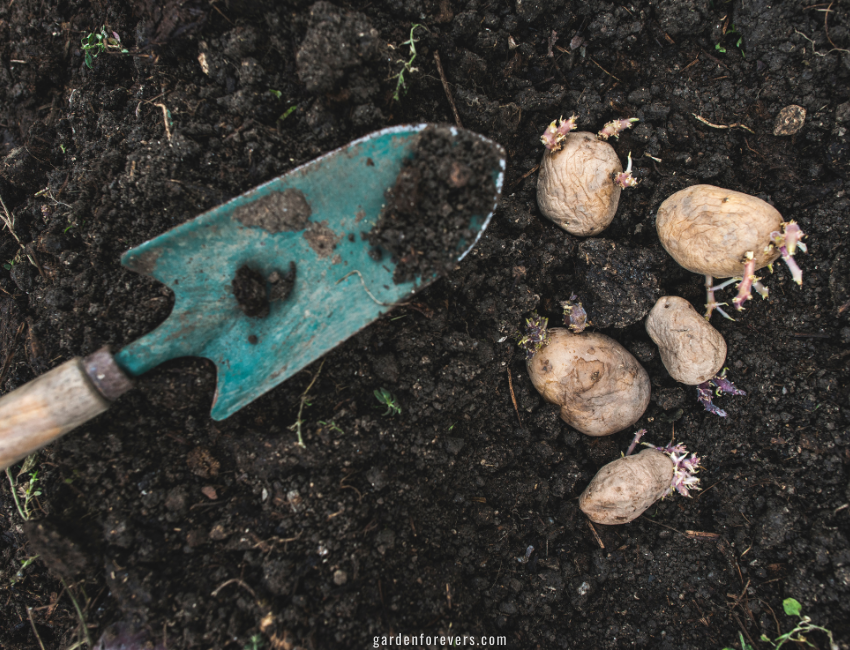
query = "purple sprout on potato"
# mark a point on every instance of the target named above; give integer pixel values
(536, 335)
(721, 233)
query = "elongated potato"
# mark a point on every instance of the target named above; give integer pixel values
(710, 230)
(575, 187)
(600, 387)
(623, 489)
(691, 349)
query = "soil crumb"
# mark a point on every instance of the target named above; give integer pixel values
(249, 289)
(321, 239)
(448, 180)
(282, 283)
(276, 212)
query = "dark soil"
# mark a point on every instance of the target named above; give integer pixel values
(426, 221)
(168, 526)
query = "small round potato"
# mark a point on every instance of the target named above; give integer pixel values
(600, 387)
(691, 349)
(623, 489)
(575, 187)
(709, 230)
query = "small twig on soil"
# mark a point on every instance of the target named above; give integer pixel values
(722, 126)
(34, 628)
(9, 221)
(449, 595)
(814, 49)
(663, 526)
(604, 70)
(343, 486)
(446, 88)
(11, 354)
(525, 175)
(826, 25)
(596, 535)
(234, 581)
(743, 629)
(513, 397)
(165, 120)
(366, 289)
(212, 4)
(692, 63)
(696, 534)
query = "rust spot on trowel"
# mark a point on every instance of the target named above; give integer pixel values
(144, 262)
(276, 212)
(322, 239)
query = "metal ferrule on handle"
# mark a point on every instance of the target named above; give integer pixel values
(53, 404)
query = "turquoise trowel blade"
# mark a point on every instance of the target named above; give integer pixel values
(312, 216)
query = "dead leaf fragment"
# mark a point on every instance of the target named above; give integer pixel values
(209, 492)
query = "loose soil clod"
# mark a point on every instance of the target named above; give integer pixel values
(448, 180)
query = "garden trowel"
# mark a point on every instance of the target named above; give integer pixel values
(263, 285)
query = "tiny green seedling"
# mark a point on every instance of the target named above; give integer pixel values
(332, 426)
(30, 492)
(792, 607)
(99, 42)
(387, 399)
(256, 642)
(24, 565)
(720, 47)
(277, 94)
(289, 111)
(406, 66)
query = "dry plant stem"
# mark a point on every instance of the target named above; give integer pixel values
(15, 494)
(304, 397)
(447, 89)
(596, 535)
(722, 126)
(11, 354)
(165, 120)
(369, 293)
(82, 618)
(9, 221)
(513, 397)
(34, 629)
(234, 581)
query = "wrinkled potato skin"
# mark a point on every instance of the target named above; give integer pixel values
(709, 230)
(691, 349)
(575, 188)
(600, 387)
(623, 490)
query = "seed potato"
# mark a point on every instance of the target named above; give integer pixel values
(709, 230)
(575, 187)
(623, 489)
(600, 387)
(691, 349)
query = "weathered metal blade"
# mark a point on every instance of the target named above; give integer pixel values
(312, 216)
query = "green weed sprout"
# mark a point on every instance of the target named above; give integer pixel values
(792, 607)
(99, 42)
(387, 399)
(407, 66)
(720, 47)
(30, 492)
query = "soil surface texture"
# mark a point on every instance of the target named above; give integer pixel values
(448, 180)
(458, 515)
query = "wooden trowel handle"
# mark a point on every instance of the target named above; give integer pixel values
(50, 406)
